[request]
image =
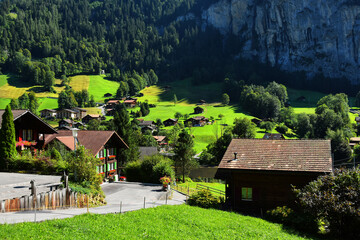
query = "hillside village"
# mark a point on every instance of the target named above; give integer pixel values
(179, 119)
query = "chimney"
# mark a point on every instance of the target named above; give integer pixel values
(235, 153)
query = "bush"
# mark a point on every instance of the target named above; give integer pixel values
(205, 199)
(133, 171)
(336, 199)
(289, 217)
(282, 128)
(163, 168)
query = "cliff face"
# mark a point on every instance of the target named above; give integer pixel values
(311, 35)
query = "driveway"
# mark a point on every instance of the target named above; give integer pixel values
(119, 195)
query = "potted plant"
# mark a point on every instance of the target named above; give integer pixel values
(165, 182)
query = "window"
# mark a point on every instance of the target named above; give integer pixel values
(111, 151)
(27, 135)
(101, 169)
(246, 194)
(101, 154)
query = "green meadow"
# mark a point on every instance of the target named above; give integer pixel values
(164, 222)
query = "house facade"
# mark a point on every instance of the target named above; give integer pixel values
(90, 117)
(130, 103)
(80, 112)
(198, 110)
(30, 130)
(48, 113)
(66, 113)
(197, 121)
(170, 122)
(259, 173)
(104, 145)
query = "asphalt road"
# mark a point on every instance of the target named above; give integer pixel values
(119, 196)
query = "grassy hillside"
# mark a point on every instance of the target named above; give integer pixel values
(100, 86)
(165, 222)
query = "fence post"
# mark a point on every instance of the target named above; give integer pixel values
(120, 206)
(166, 198)
(144, 202)
(87, 200)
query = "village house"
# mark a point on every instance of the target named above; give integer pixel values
(65, 124)
(80, 112)
(111, 104)
(30, 130)
(198, 110)
(273, 136)
(170, 122)
(197, 121)
(48, 113)
(147, 125)
(66, 113)
(130, 103)
(104, 145)
(259, 173)
(90, 117)
(161, 140)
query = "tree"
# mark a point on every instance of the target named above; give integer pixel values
(7, 138)
(334, 198)
(178, 115)
(303, 126)
(14, 104)
(339, 145)
(225, 99)
(244, 128)
(175, 99)
(279, 91)
(184, 153)
(268, 126)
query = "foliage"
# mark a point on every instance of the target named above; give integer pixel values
(339, 145)
(26, 101)
(149, 170)
(205, 199)
(282, 128)
(294, 219)
(244, 128)
(336, 199)
(7, 138)
(225, 99)
(184, 153)
(164, 222)
(267, 125)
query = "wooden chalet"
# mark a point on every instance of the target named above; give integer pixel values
(30, 130)
(161, 140)
(259, 173)
(111, 104)
(66, 113)
(90, 117)
(170, 122)
(80, 112)
(197, 121)
(198, 110)
(130, 103)
(65, 123)
(48, 113)
(273, 136)
(104, 145)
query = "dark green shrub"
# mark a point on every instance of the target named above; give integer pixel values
(289, 217)
(205, 199)
(133, 171)
(282, 128)
(163, 168)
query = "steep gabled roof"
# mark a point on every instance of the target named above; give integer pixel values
(278, 155)
(18, 114)
(91, 140)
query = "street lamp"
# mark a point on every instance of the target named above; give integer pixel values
(75, 134)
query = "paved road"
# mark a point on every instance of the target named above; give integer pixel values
(130, 194)
(17, 184)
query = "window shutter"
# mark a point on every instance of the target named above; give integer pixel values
(108, 166)
(97, 169)
(97, 155)
(104, 152)
(115, 165)
(104, 167)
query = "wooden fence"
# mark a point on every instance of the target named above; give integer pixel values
(57, 199)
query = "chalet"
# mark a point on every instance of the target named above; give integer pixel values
(170, 122)
(104, 145)
(111, 104)
(259, 173)
(201, 102)
(48, 113)
(107, 95)
(197, 121)
(273, 136)
(150, 128)
(110, 112)
(30, 130)
(65, 123)
(130, 103)
(198, 110)
(66, 113)
(90, 117)
(80, 112)
(145, 123)
(161, 140)
(354, 141)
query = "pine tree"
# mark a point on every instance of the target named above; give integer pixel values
(7, 138)
(184, 154)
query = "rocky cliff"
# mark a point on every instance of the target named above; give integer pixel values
(312, 35)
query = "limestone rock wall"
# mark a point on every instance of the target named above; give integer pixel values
(311, 35)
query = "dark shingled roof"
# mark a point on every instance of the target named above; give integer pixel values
(91, 140)
(16, 114)
(278, 155)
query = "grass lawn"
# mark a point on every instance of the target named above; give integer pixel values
(99, 86)
(80, 82)
(48, 103)
(93, 110)
(4, 102)
(165, 222)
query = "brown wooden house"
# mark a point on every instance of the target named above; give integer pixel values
(259, 173)
(197, 121)
(90, 117)
(170, 122)
(273, 136)
(30, 130)
(104, 145)
(198, 110)
(130, 103)
(48, 113)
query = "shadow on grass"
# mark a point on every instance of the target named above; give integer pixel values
(37, 89)
(17, 82)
